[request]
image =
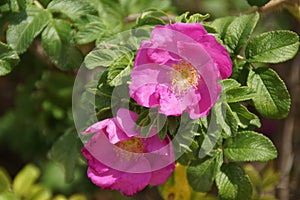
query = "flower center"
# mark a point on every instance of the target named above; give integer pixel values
(134, 145)
(128, 148)
(184, 77)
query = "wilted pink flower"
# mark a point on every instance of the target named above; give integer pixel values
(179, 69)
(119, 159)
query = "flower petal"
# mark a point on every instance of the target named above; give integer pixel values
(98, 126)
(160, 153)
(109, 128)
(130, 183)
(194, 53)
(160, 176)
(218, 53)
(102, 180)
(193, 30)
(149, 74)
(126, 122)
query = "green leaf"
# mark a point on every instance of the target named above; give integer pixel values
(201, 177)
(272, 47)
(270, 178)
(8, 196)
(209, 28)
(20, 34)
(221, 25)
(197, 18)
(12, 5)
(25, 179)
(118, 75)
(151, 17)
(111, 12)
(230, 126)
(57, 43)
(8, 59)
(240, 94)
(254, 175)
(103, 101)
(163, 127)
(233, 183)
(182, 18)
(71, 8)
(119, 72)
(65, 152)
(258, 3)
(140, 121)
(245, 118)
(249, 146)
(239, 31)
(150, 119)
(272, 99)
(90, 29)
(185, 134)
(39, 192)
(229, 83)
(104, 56)
(136, 6)
(4, 180)
(215, 126)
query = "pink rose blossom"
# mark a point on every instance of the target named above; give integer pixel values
(119, 159)
(179, 69)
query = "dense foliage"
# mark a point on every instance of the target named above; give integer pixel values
(45, 44)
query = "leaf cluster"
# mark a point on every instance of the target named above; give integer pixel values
(25, 185)
(61, 27)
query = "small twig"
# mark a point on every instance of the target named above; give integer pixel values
(239, 57)
(38, 4)
(271, 6)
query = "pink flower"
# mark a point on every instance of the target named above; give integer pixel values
(119, 159)
(179, 69)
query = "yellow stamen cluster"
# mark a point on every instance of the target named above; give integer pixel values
(128, 148)
(184, 77)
